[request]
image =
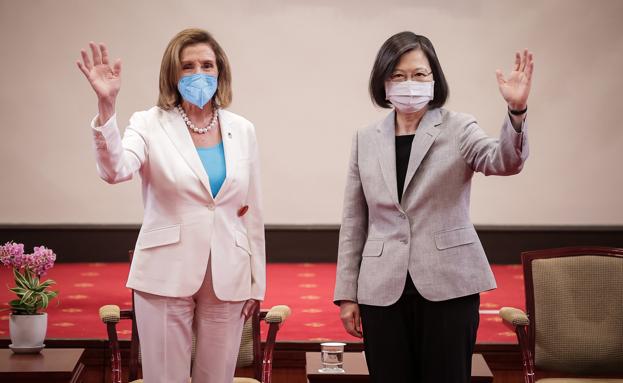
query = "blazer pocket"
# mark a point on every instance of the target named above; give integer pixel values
(455, 237)
(159, 237)
(242, 241)
(373, 248)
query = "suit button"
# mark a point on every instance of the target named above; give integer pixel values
(405, 241)
(402, 216)
(211, 207)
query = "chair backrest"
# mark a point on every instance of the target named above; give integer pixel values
(250, 344)
(574, 299)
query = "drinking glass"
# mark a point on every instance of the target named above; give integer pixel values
(332, 358)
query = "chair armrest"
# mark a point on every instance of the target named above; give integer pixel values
(110, 314)
(278, 314)
(514, 316)
(275, 317)
(520, 322)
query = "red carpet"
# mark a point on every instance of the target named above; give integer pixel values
(306, 288)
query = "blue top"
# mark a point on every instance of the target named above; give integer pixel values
(213, 159)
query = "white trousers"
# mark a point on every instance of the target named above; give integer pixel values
(165, 327)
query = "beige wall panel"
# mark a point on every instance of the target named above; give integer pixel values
(300, 74)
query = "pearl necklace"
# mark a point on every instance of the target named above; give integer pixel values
(192, 126)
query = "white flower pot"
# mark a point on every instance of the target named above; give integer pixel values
(28, 331)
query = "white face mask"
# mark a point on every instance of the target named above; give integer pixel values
(409, 96)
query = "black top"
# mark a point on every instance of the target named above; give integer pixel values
(403, 151)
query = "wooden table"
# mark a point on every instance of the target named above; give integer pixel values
(52, 365)
(357, 371)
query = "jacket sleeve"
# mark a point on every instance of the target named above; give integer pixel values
(503, 156)
(118, 159)
(353, 232)
(254, 222)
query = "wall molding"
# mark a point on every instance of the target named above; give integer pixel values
(298, 243)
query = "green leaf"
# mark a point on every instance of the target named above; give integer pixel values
(20, 280)
(19, 308)
(27, 297)
(44, 300)
(18, 290)
(14, 302)
(44, 285)
(30, 276)
(47, 284)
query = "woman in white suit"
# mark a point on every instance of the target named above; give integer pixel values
(199, 259)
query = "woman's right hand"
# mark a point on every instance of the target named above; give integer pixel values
(104, 79)
(349, 313)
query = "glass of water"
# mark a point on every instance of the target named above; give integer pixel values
(332, 358)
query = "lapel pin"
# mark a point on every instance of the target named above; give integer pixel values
(243, 210)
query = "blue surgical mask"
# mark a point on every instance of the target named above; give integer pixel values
(198, 88)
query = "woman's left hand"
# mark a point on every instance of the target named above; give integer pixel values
(516, 88)
(247, 309)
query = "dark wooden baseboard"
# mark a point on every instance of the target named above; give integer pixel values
(292, 243)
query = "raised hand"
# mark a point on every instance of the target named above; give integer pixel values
(105, 80)
(516, 87)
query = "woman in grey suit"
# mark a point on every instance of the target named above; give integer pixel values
(410, 264)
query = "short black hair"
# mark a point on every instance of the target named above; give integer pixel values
(387, 59)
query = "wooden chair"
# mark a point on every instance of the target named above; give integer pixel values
(250, 354)
(573, 324)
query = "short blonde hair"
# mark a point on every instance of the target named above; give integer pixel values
(170, 68)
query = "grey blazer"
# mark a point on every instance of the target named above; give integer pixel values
(429, 234)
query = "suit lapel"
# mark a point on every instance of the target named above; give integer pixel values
(386, 144)
(425, 135)
(178, 133)
(231, 148)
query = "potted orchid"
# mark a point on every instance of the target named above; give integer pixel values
(28, 323)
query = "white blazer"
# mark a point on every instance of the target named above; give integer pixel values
(183, 226)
